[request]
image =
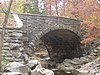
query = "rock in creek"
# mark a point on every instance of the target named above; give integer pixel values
(16, 67)
(91, 68)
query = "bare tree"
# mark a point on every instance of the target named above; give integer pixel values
(6, 12)
(50, 7)
(56, 2)
(64, 7)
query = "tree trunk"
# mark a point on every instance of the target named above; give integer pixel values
(45, 7)
(36, 10)
(0, 51)
(50, 8)
(56, 1)
(64, 7)
(3, 31)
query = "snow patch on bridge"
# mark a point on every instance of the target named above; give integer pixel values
(19, 23)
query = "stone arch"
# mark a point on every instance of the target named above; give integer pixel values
(69, 28)
(61, 44)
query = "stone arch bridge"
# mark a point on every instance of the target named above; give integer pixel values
(61, 36)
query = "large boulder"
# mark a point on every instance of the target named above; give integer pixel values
(17, 67)
(32, 63)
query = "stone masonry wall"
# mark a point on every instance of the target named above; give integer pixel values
(35, 26)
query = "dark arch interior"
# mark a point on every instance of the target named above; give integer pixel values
(61, 44)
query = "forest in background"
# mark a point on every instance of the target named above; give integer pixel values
(86, 10)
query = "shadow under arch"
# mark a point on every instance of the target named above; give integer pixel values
(62, 44)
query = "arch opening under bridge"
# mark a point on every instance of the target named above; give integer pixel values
(62, 44)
